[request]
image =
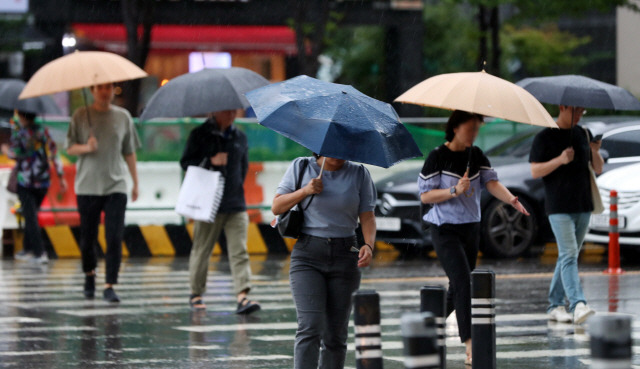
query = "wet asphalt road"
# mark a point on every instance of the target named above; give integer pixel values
(45, 322)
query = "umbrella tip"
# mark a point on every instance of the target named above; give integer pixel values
(484, 65)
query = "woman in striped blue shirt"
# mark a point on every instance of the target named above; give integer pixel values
(452, 178)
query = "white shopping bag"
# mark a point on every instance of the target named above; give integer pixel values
(200, 194)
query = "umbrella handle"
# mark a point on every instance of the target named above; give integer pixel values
(324, 160)
(86, 105)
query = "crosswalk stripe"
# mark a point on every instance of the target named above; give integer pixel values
(161, 292)
(29, 353)
(19, 319)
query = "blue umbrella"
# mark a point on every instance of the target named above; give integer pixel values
(585, 92)
(334, 120)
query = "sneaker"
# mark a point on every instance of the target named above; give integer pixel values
(42, 259)
(559, 314)
(23, 255)
(581, 312)
(109, 295)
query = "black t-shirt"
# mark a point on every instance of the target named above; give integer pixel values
(442, 159)
(567, 189)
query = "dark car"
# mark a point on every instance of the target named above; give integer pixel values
(504, 231)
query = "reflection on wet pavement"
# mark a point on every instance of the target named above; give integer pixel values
(45, 322)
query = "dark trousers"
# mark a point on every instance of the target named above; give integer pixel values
(457, 248)
(323, 274)
(90, 208)
(30, 200)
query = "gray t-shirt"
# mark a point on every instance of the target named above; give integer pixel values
(103, 172)
(346, 193)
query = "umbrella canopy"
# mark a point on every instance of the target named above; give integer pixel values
(206, 91)
(334, 120)
(480, 93)
(585, 92)
(80, 69)
(10, 89)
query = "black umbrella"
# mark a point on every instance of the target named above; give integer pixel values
(573, 90)
(11, 88)
(206, 91)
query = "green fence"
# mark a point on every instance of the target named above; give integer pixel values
(165, 140)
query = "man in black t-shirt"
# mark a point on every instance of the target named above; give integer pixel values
(561, 157)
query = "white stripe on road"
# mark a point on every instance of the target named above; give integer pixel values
(19, 319)
(211, 347)
(48, 329)
(29, 353)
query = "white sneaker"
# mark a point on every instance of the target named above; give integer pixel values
(23, 255)
(581, 312)
(559, 314)
(42, 259)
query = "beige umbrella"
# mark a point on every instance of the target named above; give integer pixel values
(78, 70)
(481, 93)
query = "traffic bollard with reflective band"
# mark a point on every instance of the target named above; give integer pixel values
(420, 341)
(610, 341)
(366, 320)
(614, 236)
(433, 299)
(483, 319)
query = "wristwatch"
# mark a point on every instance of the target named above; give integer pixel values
(452, 191)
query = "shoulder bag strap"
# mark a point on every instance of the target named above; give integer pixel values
(586, 132)
(303, 166)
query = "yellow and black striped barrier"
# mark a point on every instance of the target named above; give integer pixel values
(62, 241)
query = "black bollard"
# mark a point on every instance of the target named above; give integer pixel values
(433, 299)
(420, 341)
(483, 319)
(366, 320)
(610, 341)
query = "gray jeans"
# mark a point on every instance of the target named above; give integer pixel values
(323, 275)
(205, 235)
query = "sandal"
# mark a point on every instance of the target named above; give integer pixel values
(196, 304)
(246, 306)
(467, 361)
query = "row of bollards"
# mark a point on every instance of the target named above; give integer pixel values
(424, 335)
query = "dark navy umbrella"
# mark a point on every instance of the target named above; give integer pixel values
(334, 120)
(572, 90)
(209, 90)
(11, 88)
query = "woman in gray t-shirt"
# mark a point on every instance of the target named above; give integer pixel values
(325, 260)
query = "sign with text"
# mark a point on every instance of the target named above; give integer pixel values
(14, 6)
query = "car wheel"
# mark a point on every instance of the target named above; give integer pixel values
(505, 231)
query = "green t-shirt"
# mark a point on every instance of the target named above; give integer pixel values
(104, 171)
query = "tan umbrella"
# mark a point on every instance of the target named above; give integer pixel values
(78, 70)
(481, 93)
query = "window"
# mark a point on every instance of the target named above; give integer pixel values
(623, 144)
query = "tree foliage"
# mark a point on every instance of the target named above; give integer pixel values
(450, 39)
(359, 52)
(541, 51)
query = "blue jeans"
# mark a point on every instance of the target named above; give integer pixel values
(569, 230)
(323, 274)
